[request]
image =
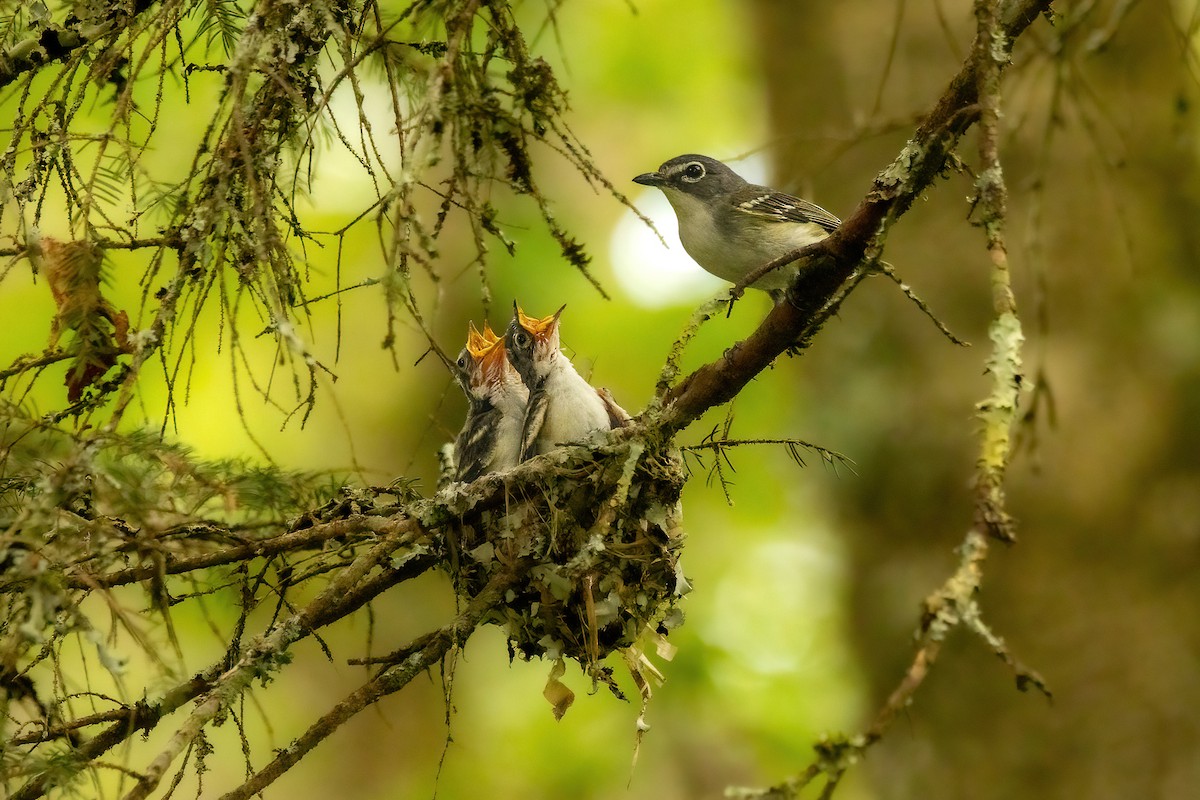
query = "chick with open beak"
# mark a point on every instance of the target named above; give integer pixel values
(490, 440)
(562, 406)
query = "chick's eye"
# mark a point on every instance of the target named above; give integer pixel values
(462, 362)
(522, 339)
(693, 172)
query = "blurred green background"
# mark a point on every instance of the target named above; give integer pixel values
(808, 584)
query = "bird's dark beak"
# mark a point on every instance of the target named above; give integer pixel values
(650, 179)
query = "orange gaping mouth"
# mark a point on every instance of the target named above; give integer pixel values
(478, 344)
(494, 360)
(538, 328)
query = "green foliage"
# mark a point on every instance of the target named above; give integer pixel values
(188, 147)
(467, 107)
(82, 514)
(73, 504)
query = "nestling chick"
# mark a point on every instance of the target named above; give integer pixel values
(562, 406)
(490, 440)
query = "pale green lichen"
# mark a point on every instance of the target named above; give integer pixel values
(1001, 47)
(998, 412)
(897, 176)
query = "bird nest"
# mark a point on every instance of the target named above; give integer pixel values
(602, 529)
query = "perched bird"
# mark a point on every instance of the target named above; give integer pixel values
(562, 406)
(490, 440)
(730, 227)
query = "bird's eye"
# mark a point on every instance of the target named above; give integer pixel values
(693, 172)
(462, 362)
(521, 338)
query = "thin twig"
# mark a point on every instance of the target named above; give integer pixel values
(422, 655)
(835, 259)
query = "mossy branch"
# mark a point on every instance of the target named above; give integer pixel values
(974, 94)
(419, 657)
(599, 523)
(49, 42)
(267, 653)
(999, 412)
(471, 105)
(561, 551)
(837, 259)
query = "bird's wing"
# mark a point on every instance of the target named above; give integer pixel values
(474, 446)
(617, 416)
(535, 417)
(780, 207)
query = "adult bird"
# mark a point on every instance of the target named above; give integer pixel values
(731, 227)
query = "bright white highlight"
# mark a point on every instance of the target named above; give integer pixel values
(654, 276)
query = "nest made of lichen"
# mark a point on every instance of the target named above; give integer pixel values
(604, 528)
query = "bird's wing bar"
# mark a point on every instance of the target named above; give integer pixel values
(780, 207)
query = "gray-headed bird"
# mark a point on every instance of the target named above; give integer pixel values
(562, 406)
(490, 440)
(731, 227)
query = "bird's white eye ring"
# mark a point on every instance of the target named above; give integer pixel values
(462, 362)
(521, 338)
(693, 172)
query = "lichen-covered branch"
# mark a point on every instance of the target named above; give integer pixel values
(422, 656)
(266, 654)
(973, 95)
(466, 97)
(952, 605)
(574, 554)
(835, 260)
(999, 412)
(48, 42)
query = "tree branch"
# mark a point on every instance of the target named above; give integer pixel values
(172, 564)
(428, 650)
(834, 260)
(265, 656)
(56, 42)
(350, 589)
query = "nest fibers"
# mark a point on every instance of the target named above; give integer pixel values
(603, 526)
